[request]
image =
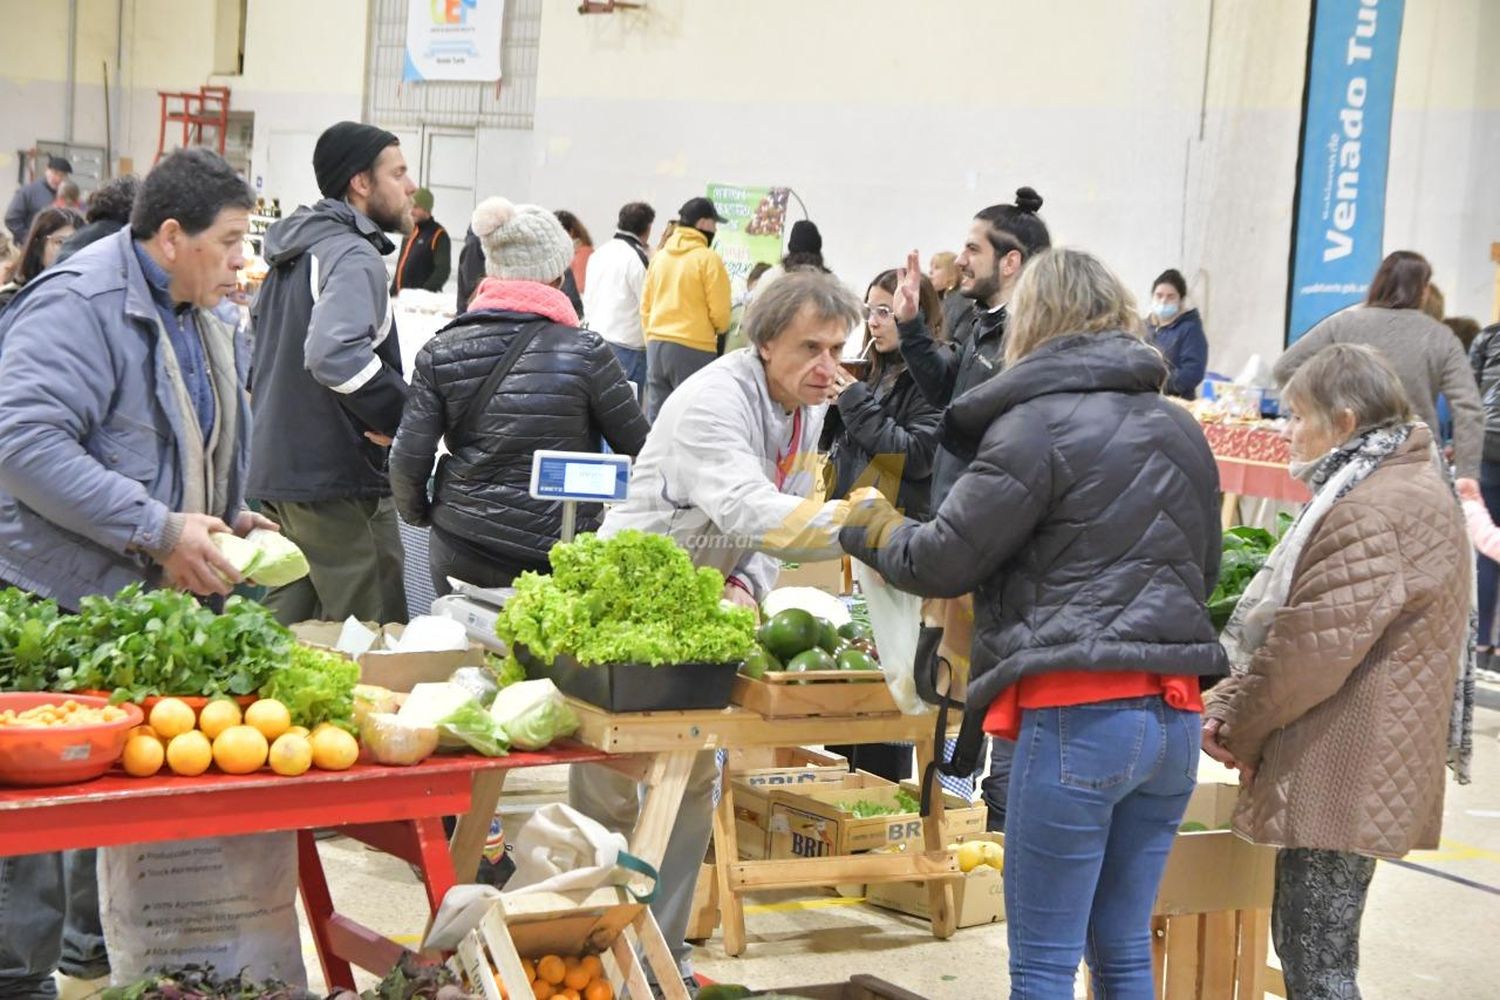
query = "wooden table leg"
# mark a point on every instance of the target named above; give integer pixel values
(1229, 514)
(318, 903)
(665, 784)
(1255, 940)
(939, 891)
(467, 845)
(726, 853)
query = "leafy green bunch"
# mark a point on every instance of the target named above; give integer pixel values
(32, 633)
(316, 686)
(635, 598)
(163, 642)
(1245, 552)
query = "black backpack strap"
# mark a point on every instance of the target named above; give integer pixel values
(470, 420)
(635, 245)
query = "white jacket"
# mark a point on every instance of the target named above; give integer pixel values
(708, 477)
(612, 293)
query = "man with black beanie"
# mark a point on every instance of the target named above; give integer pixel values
(30, 199)
(327, 392)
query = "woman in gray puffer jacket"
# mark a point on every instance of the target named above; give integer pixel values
(564, 391)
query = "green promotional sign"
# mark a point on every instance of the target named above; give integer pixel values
(753, 234)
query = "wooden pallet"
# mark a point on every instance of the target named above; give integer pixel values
(779, 694)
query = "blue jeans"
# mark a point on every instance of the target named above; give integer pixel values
(634, 363)
(995, 788)
(1096, 797)
(49, 919)
(1489, 571)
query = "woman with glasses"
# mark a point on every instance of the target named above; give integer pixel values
(50, 228)
(881, 430)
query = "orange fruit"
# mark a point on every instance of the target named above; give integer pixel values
(551, 969)
(291, 755)
(240, 750)
(217, 716)
(189, 753)
(143, 756)
(541, 989)
(599, 989)
(269, 716)
(594, 965)
(567, 994)
(333, 749)
(143, 730)
(528, 968)
(578, 977)
(171, 717)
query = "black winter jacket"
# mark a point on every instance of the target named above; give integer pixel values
(1087, 526)
(565, 392)
(1484, 357)
(888, 439)
(945, 372)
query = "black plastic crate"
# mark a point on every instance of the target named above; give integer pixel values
(639, 687)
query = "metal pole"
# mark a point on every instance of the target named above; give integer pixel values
(72, 71)
(569, 520)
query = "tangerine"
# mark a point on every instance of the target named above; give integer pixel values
(143, 756)
(599, 989)
(269, 716)
(541, 989)
(333, 749)
(551, 969)
(291, 755)
(189, 753)
(240, 750)
(172, 717)
(218, 716)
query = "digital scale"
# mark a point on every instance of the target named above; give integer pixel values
(569, 477)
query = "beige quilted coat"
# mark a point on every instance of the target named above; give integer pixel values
(1345, 708)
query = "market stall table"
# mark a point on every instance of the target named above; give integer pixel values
(398, 810)
(668, 742)
(1252, 460)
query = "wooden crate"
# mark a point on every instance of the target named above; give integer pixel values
(782, 695)
(808, 823)
(1213, 956)
(790, 761)
(606, 922)
(752, 803)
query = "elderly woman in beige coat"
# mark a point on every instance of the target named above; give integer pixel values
(1345, 651)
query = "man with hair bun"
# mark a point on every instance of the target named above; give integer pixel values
(328, 392)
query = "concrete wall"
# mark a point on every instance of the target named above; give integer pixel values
(304, 68)
(1156, 137)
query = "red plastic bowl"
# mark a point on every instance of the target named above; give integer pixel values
(61, 755)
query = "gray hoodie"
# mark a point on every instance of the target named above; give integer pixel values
(327, 363)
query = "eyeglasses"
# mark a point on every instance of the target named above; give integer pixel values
(57, 238)
(881, 313)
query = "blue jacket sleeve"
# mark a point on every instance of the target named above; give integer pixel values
(55, 393)
(1191, 361)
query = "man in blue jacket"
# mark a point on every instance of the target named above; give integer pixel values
(124, 427)
(328, 392)
(30, 199)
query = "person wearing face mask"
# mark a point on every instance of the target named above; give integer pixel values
(124, 433)
(1178, 333)
(685, 304)
(1346, 695)
(328, 392)
(729, 472)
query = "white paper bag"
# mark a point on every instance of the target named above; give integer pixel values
(896, 618)
(226, 902)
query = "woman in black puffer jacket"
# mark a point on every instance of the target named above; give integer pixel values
(564, 392)
(1087, 526)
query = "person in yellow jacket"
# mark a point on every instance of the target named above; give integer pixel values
(685, 304)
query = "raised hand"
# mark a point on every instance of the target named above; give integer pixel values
(908, 289)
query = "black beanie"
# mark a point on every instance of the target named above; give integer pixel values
(344, 150)
(805, 238)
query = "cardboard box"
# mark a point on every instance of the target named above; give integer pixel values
(397, 671)
(1213, 869)
(978, 898)
(861, 987)
(783, 765)
(753, 792)
(826, 575)
(808, 823)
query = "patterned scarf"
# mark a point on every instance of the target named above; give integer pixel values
(1330, 479)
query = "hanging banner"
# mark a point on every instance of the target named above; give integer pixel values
(453, 40)
(1338, 232)
(753, 233)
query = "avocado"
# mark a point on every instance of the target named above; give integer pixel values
(856, 630)
(757, 662)
(812, 659)
(791, 632)
(856, 659)
(828, 636)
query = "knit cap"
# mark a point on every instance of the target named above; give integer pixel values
(521, 242)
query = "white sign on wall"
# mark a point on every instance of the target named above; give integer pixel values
(453, 40)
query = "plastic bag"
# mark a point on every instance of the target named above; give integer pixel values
(896, 618)
(533, 714)
(227, 902)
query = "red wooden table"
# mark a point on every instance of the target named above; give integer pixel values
(1252, 460)
(398, 810)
